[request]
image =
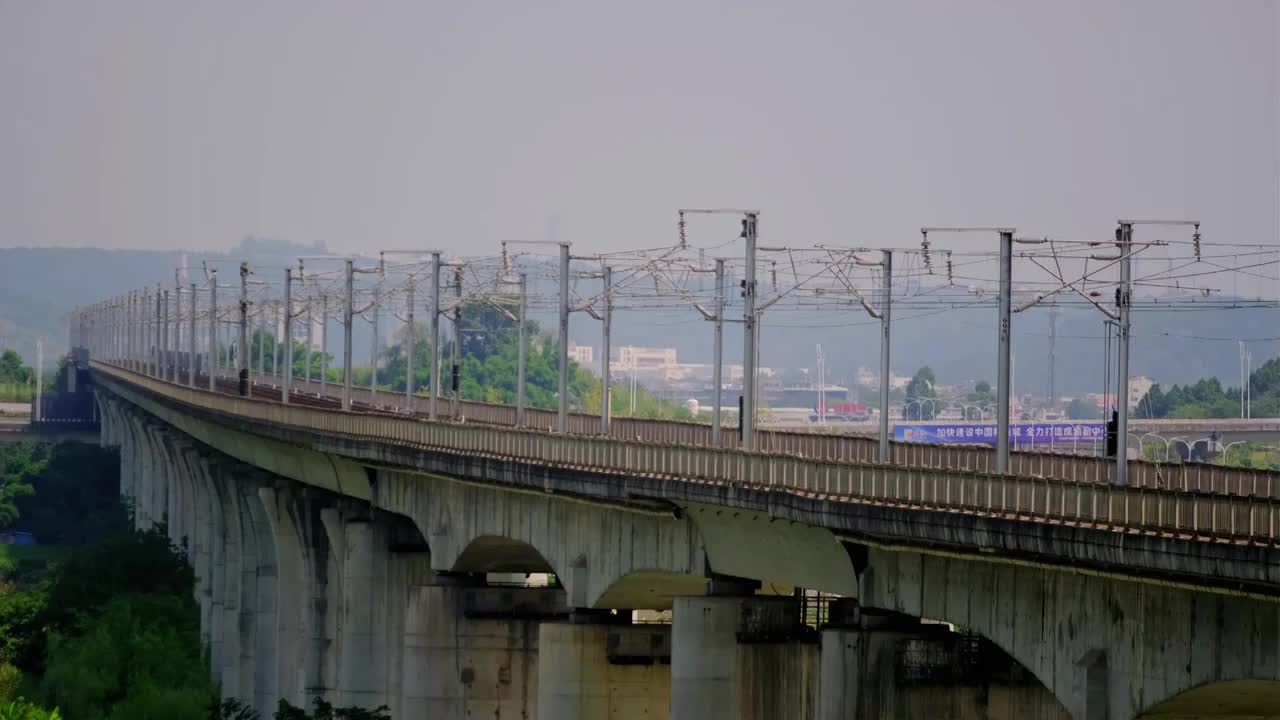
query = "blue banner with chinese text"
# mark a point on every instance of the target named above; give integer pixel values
(1038, 433)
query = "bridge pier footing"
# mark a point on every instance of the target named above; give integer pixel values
(734, 657)
(472, 651)
(592, 670)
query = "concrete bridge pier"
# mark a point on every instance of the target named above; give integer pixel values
(470, 650)
(596, 668)
(735, 656)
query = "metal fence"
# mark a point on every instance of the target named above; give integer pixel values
(848, 448)
(1189, 512)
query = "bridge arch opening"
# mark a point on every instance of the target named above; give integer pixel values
(1247, 699)
(497, 554)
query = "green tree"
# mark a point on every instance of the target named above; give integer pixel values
(20, 709)
(12, 370)
(20, 464)
(76, 496)
(921, 397)
(138, 657)
(1081, 409)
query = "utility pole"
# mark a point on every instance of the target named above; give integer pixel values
(1124, 237)
(520, 351)
(191, 340)
(165, 332)
(717, 377)
(411, 349)
(455, 397)
(886, 307)
(748, 420)
(373, 350)
(606, 323)
(261, 336)
(1240, 347)
(243, 355)
(37, 407)
(276, 331)
(562, 415)
(177, 324)
(1053, 349)
(213, 330)
(434, 405)
(156, 338)
(324, 343)
(311, 328)
(1003, 367)
(287, 370)
(347, 315)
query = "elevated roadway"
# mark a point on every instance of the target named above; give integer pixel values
(1121, 601)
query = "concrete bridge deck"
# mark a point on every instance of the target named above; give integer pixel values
(1122, 601)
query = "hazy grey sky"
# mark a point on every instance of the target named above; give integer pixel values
(418, 124)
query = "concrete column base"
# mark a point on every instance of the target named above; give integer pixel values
(459, 665)
(583, 675)
(704, 658)
(715, 677)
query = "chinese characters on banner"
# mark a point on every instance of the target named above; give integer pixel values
(1037, 433)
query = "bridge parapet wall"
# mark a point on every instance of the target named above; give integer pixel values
(1175, 513)
(821, 444)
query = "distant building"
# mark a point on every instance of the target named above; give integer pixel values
(581, 354)
(1138, 388)
(866, 377)
(645, 358)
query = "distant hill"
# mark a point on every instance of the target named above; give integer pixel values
(39, 286)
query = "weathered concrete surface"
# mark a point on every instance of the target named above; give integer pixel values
(1158, 642)
(458, 667)
(859, 680)
(577, 680)
(714, 676)
(1241, 699)
(704, 658)
(1069, 546)
(597, 551)
(283, 618)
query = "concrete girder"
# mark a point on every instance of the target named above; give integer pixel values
(591, 547)
(776, 551)
(330, 472)
(1063, 626)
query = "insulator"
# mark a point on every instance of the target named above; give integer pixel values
(506, 260)
(924, 251)
(773, 275)
(1195, 241)
(684, 239)
(950, 278)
